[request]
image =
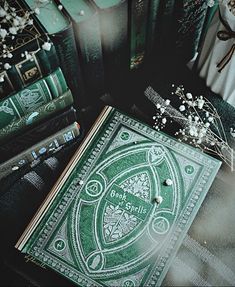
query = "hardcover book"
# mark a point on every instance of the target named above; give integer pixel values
(138, 31)
(34, 96)
(36, 134)
(113, 18)
(41, 149)
(121, 208)
(59, 28)
(36, 116)
(22, 60)
(88, 40)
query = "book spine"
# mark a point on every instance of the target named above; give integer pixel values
(38, 64)
(65, 46)
(114, 32)
(41, 149)
(209, 16)
(32, 97)
(190, 25)
(165, 31)
(138, 16)
(88, 39)
(36, 134)
(152, 26)
(37, 116)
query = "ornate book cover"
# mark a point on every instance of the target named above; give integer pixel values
(120, 210)
(34, 96)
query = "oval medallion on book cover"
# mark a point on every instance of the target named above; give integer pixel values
(117, 225)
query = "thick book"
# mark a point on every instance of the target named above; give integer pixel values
(88, 39)
(22, 58)
(121, 208)
(59, 28)
(152, 26)
(42, 149)
(138, 17)
(28, 99)
(165, 28)
(190, 21)
(113, 18)
(26, 139)
(37, 116)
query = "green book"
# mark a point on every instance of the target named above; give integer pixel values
(59, 28)
(32, 97)
(113, 17)
(189, 28)
(152, 26)
(36, 116)
(88, 39)
(27, 61)
(165, 29)
(138, 32)
(121, 209)
(42, 149)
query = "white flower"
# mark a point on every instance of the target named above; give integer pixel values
(189, 96)
(60, 7)
(2, 12)
(196, 118)
(1, 78)
(46, 46)
(159, 199)
(207, 125)
(167, 102)
(7, 66)
(13, 30)
(232, 132)
(200, 103)
(164, 120)
(210, 119)
(168, 182)
(182, 108)
(211, 3)
(16, 22)
(193, 131)
(162, 110)
(158, 106)
(9, 55)
(3, 33)
(37, 11)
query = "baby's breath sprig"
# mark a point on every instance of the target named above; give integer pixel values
(201, 125)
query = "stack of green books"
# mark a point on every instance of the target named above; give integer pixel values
(37, 91)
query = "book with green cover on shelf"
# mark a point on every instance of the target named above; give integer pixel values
(59, 28)
(35, 95)
(36, 116)
(138, 15)
(113, 18)
(22, 58)
(120, 210)
(37, 133)
(88, 40)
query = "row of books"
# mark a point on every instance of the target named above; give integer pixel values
(56, 54)
(97, 42)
